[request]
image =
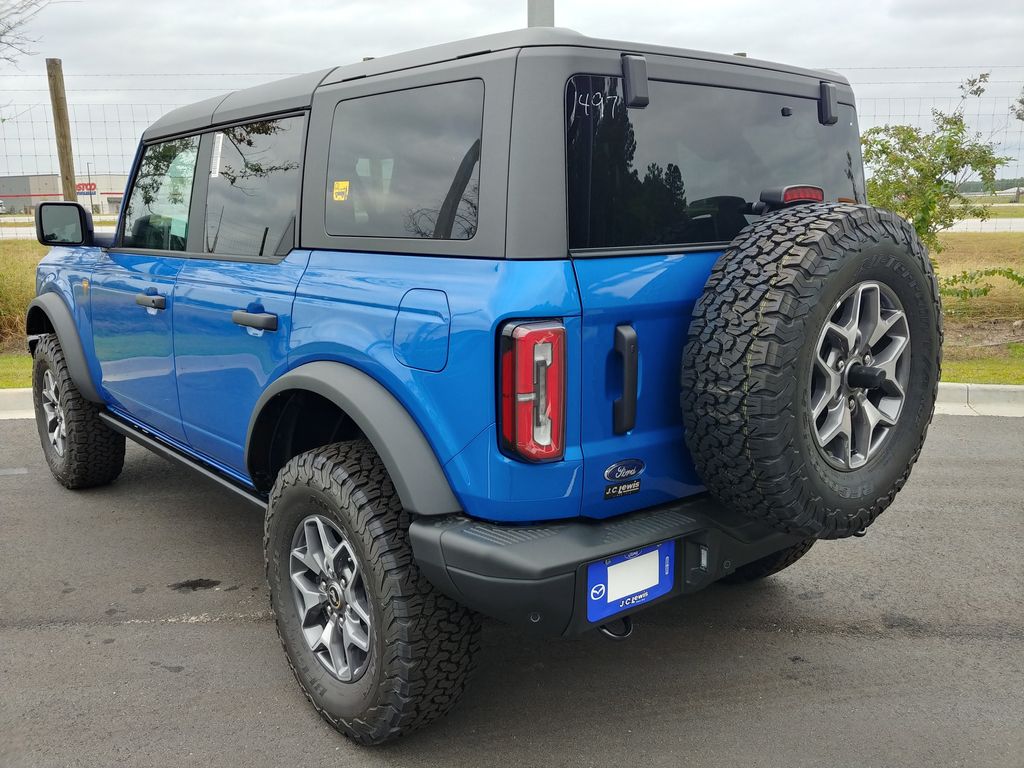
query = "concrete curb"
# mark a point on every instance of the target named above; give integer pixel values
(980, 400)
(954, 399)
(16, 404)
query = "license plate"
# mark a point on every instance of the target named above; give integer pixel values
(623, 582)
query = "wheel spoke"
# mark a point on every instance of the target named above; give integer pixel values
(869, 313)
(353, 633)
(303, 555)
(837, 424)
(886, 323)
(312, 598)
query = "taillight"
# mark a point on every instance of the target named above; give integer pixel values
(803, 194)
(532, 396)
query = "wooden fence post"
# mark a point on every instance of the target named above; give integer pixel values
(62, 128)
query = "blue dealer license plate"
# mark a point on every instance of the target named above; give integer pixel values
(622, 582)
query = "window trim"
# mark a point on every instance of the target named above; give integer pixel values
(130, 190)
(497, 72)
(200, 188)
(653, 249)
(206, 156)
(479, 161)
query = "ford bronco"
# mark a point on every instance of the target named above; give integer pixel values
(533, 326)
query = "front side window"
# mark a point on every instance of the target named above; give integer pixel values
(255, 171)
(407, 163)
(156, 217)
(687, 168)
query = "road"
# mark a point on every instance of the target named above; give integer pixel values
(903, 648)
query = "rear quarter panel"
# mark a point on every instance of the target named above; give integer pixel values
(346, 308)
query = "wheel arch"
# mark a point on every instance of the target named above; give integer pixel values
(49, 314)
(359, 405)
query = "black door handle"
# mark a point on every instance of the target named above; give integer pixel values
(151, 301)
(264, 321)
(624, 408)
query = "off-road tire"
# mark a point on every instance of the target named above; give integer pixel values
(766, 566)
(744, 381)
(423, 643)
(93, 452)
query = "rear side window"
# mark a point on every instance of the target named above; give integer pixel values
(254, 188)
(407, 163)
(685, 169)
(156, 217)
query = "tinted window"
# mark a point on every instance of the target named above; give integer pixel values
(407, 164)
(156, 217)
(254, 187)
(684, 169)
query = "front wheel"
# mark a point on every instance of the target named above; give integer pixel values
(81, 451)
(377, 650)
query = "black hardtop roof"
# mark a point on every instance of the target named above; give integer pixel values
(297, 92)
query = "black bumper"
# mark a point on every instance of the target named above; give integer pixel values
(535, 575)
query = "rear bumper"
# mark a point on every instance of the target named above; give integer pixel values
(535, 575)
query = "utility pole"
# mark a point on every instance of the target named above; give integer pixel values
(62, 128)
(540, 13)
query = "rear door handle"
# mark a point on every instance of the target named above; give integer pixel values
(624, 408)
(151, 301)
(264, 321)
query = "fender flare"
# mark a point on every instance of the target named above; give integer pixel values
(412, 464)
(57, 314)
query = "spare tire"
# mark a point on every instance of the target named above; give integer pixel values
(811, 368)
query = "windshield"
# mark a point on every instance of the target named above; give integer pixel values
(685, 169)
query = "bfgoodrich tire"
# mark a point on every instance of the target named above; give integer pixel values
(811, 368)
(337, 550)
(81, 451)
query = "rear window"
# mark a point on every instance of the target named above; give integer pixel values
(407, 163)
(684, 170)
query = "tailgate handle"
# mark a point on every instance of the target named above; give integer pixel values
(624, 409)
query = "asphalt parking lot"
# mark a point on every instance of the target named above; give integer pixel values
(134, 630)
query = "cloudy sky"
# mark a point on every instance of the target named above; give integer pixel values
(902, 55)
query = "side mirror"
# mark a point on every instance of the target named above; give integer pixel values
(63, 224)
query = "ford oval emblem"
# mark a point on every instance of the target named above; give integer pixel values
(624, 470)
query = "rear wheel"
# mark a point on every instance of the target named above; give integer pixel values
(766, 566)
(81, 451)
(377, 650)
(811, 369)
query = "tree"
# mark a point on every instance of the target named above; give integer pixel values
(918, 173)
(14, 18)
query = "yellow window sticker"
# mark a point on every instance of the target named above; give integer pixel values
(340, 191)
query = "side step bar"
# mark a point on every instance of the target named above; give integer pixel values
(161, 448)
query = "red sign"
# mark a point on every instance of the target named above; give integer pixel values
(85, 186)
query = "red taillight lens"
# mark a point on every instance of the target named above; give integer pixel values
(532, 397)
(803, 194)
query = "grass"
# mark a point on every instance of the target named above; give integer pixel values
(986, 365)
(1006, 212)
(18, 259)
(990, 199)
(980, 347)
(15, 370)
(963, 251)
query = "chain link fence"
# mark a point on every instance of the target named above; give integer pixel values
(108, 113)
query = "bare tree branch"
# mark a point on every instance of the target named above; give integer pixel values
(14, 18)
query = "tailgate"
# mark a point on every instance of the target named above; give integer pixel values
(653, 295)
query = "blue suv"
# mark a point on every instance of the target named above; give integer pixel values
(533, 326)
